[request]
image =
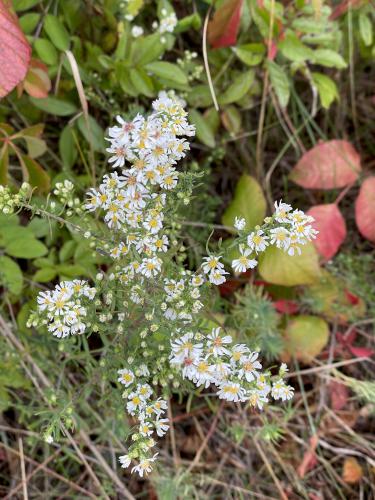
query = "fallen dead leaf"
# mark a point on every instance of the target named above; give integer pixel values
(352, 471)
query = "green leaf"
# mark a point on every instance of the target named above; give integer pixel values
(238, 89)
(36, 175)
(56, 32)
(279, 268)
(67, 250)
(26, 248)
(54, 106)
(203, 129)
(365, 28)
(305, 337)
(94, 134)
(309, 25)
(232, 120)
(327, 89)
(19, 5)
(39, 227)
(67, 147)
(250, 53)
(193, 21)
(45, 275)
(146, 49)
(293, 49)
(200, 96)
(142, 82)
(280, 83)
(168, 71)
(29, 22)
(328, 58)
(46, 51)
(248, 202)
(10, 275)
(71, 271)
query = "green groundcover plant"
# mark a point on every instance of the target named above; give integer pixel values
(146, 303)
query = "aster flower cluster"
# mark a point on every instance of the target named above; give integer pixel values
(148, 414)
(235, 371)
(64, 308)
(149, 295)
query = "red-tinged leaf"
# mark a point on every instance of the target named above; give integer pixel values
(365, 209)
(339, 395)
(285, 306)
(37, 82)
(309, 460)
(272, 50)
(332, 229)
(34, 173)
(361, 352)
(352, 299)
(329, 165)
(15, 51)
(223, 29)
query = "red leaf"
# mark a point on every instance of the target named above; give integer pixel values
(286, 306)
(339, 395)
(15, 51)
(223, 29)
(361, 352)
(329, 165)
(365, 209)
(332, 229)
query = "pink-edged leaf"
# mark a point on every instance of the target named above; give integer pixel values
(339, 395)
(329, 165)
(223, 29)
(15, 51)
(365, 209)
(332, 229)
(37, 82)
(285, 306)
(361, 352)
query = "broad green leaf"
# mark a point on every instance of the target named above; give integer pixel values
(29, 22)
(10, 275)
(327, 89)
(168, 71)
(142, 82)
(54, 106)
(293, 49)
(193, 21)
(203, 129)
(200, 96)
(279, 268)
(46, 51)
(310, 25)
(56, 32)
(232, 120)
(146, 49)
(67, 147)
(365, 28)
(250, 53)
(305, 337)
(9, 233)
(71, 271)
(36, 175)
(45, 275)
(40, 227)
(328, 58)
(248, 202)
(26, 248)
(35, 147)
(67, 250)
(93, 133)
(280, 82)
(238, 89)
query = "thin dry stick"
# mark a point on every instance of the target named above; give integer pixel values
(326, 367)
(282, 493)
(176, 459)
(11, 494)
(205, 441)
(23, 471)
(50, 472)
(205, 59)
(85, 107)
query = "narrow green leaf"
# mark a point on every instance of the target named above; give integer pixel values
(168, 71)
(46, 51)
(203, 129)
(327, 89)
(328, 58)
(142, 82)
(56, 32)
(251, 54)
(238, 89)
(37, 176)
(54, 106)
(10, 275)
(94, 134)
(280, 82)
(67, 147)
(365, 28)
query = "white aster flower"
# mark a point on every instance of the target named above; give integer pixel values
(239, 223)
(243, 263)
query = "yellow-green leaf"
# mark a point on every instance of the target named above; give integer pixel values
(276, 266)
(305, 337)
(248, 202)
